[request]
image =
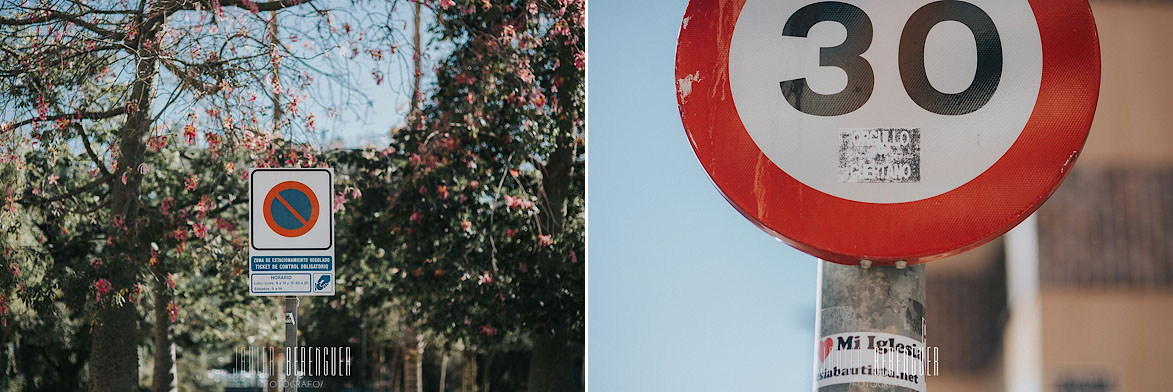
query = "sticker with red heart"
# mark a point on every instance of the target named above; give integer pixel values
(825, 349)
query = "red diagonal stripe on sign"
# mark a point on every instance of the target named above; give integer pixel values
(291, 210)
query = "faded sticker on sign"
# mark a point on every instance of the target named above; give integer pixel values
(879, 155)
(870, 357)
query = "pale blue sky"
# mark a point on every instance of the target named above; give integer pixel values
(684, 293)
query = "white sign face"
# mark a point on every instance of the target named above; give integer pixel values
(291, 232)
(870, 357)
(875, 135)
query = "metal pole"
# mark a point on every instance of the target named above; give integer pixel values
(870, 299)
(291, 344)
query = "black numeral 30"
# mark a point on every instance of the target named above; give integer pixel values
(861, 77)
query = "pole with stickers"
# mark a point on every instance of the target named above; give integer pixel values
(879, 136)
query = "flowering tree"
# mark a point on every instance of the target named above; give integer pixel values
(485, 213)
(127, 129)
(94, 94)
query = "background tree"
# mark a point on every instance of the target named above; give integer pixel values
(487, 213)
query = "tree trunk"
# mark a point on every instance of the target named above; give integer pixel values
(413, 356)
(164, 378)
(417, 57)
(443, 371)
(552, 366)
(377, 360)
(114, 360)
(396, 367)
(488, 370)
(278, 112)
(468, 373)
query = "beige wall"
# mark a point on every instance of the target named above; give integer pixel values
(1134, 120)
(963, 383)
(1125, 335)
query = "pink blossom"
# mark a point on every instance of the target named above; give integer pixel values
(416, 217)
(103, 287)
(466, 226)
(166, 206)
(179, 235)
(138, 290)
(512, 202)
(339, 201)
(545, 240)
(444, 4)
(156, 143)
(442, 191)
(189, 133)
(191, 182)
(485, 278)
(14, 269)
(488, 330)
(537, 99)
(511, 233)
(199, 230)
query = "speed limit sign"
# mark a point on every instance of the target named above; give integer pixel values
(884, 131)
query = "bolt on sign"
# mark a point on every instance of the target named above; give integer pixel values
(887, 131)
(291, 232)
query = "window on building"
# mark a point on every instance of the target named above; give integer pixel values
(1084, 383)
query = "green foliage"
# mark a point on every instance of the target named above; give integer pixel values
(482, 195)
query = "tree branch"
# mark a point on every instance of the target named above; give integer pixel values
(54, 15)
(264, 6)
(89, 150)
(188, 79)
(80, 115)
(42, 200)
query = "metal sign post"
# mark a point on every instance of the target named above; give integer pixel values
(290, 376)
(887, 300)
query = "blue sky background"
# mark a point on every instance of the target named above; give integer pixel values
(684, 293)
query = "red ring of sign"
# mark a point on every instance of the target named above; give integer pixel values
(309, 222)
(845, 231)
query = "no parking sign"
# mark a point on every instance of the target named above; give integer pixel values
(291, 232)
